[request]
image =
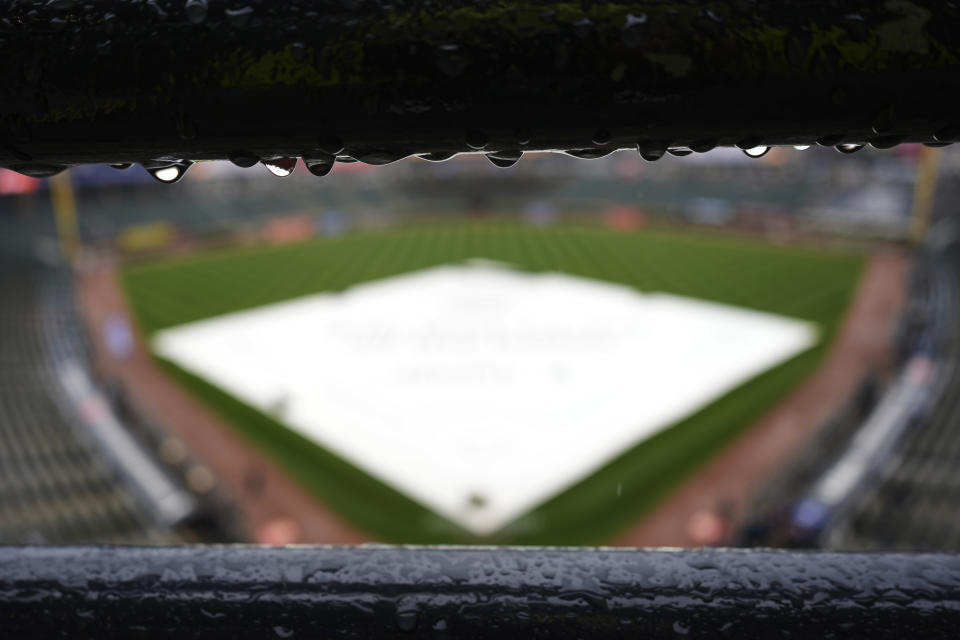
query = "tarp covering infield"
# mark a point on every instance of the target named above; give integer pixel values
(480, 390)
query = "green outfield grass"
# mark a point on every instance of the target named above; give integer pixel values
(803, 283)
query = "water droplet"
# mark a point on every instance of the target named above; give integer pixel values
(679, 152)
(757, 152)
(242, 159)
(239, 18)
(281, 167)
(347, 159)
(652, 155)
(801, 147)
(504, 159)
(319, 166)
(283, 632)
(331, 145)
(601, 137)
(438, 156)
(476, 140)
(37, 170)
(523, 135)
(121, 166)
(849, 147)
(196, 11)
(937, 145)
(703, 146)
(168, 174)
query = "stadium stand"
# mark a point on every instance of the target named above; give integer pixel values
(882, 479)
(69, 470)
(911, 504)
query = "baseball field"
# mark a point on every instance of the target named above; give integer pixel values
(794, 282)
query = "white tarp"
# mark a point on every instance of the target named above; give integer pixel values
(477, 389)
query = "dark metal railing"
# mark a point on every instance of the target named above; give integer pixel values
(175, 80)
(439, 593)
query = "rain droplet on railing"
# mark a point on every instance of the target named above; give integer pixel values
(849, 147)
(281, 167)
(757, 152)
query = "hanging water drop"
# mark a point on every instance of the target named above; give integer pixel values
(849, 147)
(801, 147)
(196, 11)
(504, 159)
(319, 166)
(281, 167)
(703, 146)
(121, 166)
(679, 152)
(651, 154)
(523, 135)
(170, 173)
(757, 152)
(243, 160)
